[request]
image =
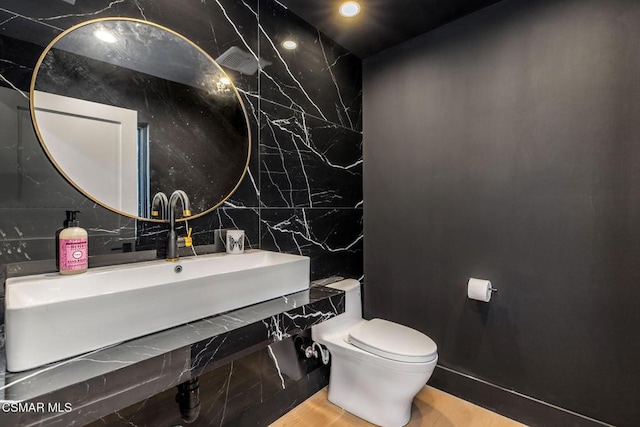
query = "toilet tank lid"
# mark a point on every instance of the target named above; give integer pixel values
(393, 341)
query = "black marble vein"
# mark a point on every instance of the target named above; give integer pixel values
(307, 162)
(319, 77)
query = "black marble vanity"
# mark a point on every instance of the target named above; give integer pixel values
(86, 388)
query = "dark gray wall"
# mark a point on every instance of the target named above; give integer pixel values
(506, 146)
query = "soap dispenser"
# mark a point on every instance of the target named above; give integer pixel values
(65, 224)
(73, 246)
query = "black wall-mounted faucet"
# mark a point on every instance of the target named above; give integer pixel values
(172, 240)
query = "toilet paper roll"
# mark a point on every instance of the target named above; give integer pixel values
(479, 289)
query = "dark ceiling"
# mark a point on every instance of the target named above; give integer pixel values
(381, 23)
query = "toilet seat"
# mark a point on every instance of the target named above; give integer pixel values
(392, 341)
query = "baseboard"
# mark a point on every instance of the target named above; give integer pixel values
(509, 403)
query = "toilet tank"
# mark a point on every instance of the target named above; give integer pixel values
(352, 311)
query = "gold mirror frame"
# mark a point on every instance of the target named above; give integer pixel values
(76, 185)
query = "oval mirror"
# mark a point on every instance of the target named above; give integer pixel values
(126, 109)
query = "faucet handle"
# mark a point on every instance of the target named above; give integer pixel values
(188, 241)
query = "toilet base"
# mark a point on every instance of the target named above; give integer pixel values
(395, 418)
(380, 395)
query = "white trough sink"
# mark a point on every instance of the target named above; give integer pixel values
(50, 317)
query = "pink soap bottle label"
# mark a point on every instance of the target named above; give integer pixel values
(73, 254)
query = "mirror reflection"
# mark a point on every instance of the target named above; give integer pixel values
(126, 109)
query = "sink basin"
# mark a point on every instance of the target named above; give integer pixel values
(49, 317)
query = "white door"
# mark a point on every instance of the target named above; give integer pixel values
(94, 144)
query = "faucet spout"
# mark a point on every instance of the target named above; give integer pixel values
(172, 240)
(159, 206)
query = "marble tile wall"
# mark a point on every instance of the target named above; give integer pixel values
(303, 190)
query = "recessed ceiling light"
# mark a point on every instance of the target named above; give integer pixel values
(289, 44)
(349, 9)
(105, 36)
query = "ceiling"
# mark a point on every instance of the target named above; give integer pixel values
(381, 23)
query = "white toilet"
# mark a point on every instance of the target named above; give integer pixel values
(377, 367)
